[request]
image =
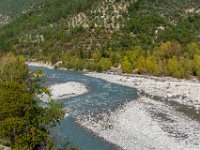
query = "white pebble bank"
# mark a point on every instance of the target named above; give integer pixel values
(137, 127)
(65, 90)
(182, 91)
(40, 64)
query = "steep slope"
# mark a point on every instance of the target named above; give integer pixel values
(106, 21)
(9, 9)
(4, 19)
(12, 8)
(75, 28)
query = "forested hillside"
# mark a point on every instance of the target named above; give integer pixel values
(12, 8)
(145, 36)
(9, 9)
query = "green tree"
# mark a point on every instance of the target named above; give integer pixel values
(13, 69)
(105, 64)
(192, 50)
(126, 66)
(115, 58)
(134, 55)
(23, 122)
(196, 66)
(141, 65)
(172, 66)
(168, 50)
(175, 68)
(151, 66)
(96, 55)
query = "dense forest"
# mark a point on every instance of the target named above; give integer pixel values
(147, 36)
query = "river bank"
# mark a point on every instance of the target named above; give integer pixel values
(40, 64)
(183, 91)
(146, 124)
(64, 90)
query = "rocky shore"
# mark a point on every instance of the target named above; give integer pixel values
(186, 92)
(64, 90)
(146, 124)
(40, 64)
(143, 123)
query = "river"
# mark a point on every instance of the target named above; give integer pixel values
(102, 97)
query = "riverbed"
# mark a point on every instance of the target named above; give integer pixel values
(111, 116)
(101, 97)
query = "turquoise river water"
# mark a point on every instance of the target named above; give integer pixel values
(102, 97)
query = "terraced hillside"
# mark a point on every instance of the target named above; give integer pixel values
(58, 29)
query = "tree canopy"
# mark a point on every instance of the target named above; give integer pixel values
(24, 123)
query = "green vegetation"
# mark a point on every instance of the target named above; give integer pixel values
(12, 7)
(155, 37)
(24, 123)
(126, 66)
(168, 59)
(148, 37)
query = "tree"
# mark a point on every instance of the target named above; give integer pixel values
(126, 66)
(168, 50)
(96, 55)
(23, 122)
(141, 65)
(192, 50)
(13, 69)
(172, 66)
(115, 58)
(105, 64)
(175, 68)
(151, 65)
(196, 65)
